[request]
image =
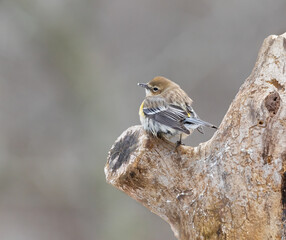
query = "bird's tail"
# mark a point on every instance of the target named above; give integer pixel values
(197, 123)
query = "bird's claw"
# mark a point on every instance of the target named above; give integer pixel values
(179, 143)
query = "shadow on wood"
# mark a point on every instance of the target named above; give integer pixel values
(231, 187)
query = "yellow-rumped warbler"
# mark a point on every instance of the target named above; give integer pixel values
(166, 111)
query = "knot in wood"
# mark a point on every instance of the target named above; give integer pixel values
(272, 102)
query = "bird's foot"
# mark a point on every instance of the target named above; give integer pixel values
(179, 143)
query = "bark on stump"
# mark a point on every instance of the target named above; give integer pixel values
(230, 187)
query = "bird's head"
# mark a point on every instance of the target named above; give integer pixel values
(157, 86)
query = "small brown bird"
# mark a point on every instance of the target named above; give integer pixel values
(166, 111)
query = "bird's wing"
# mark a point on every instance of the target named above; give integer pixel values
(172, 116)
(192, 119)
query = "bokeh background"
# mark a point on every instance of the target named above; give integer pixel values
(68, 75)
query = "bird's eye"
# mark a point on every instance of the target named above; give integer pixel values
(155, 89)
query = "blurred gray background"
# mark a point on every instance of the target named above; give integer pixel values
(68, 75)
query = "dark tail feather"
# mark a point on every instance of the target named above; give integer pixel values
(198, 121)
(200, 130)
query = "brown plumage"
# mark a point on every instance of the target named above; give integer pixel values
(166, 111)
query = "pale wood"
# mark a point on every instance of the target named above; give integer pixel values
(230, 187)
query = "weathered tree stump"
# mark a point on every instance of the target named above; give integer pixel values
(230, 187)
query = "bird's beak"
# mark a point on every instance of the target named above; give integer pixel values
(144, 85)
